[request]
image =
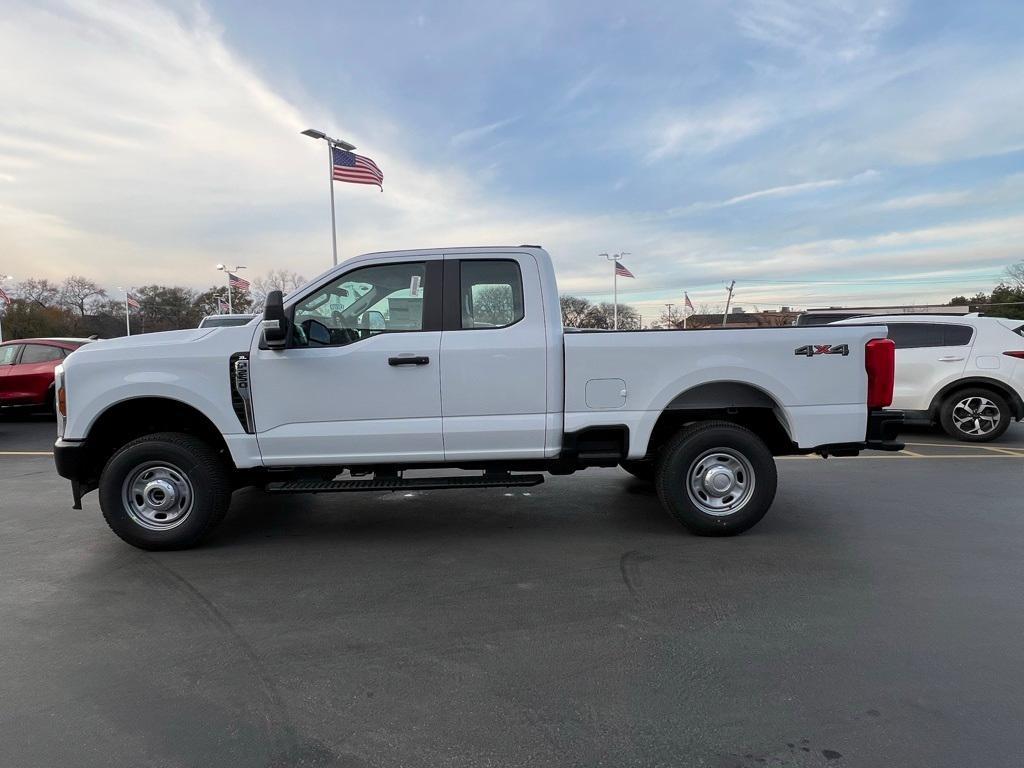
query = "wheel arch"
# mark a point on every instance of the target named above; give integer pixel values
(126, 420)
(978, 382)
(736, 402)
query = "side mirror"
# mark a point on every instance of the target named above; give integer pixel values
(275, 322)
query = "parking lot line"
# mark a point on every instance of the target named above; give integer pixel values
(904, 455)
(26, 453)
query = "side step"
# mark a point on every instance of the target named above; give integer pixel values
(401, 484)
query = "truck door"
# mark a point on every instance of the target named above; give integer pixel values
(360, 380)
(493, 358)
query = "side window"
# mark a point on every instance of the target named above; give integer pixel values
(958, 335)
(39, 353)
(382, 298)
(916, 335)
(9, 353)
(491, 295)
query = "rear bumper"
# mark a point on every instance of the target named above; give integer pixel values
(882, 431)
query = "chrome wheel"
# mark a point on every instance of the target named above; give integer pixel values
(720, 481)
(976, 416)
(157, 496)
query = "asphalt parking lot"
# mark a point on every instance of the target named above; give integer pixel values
(875, 617)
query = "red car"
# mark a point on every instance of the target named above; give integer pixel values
(26, 370)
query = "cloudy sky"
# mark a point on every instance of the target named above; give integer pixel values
(815, 152)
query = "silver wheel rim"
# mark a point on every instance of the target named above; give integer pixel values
(720, 482)
(976, 416)
(157, 496)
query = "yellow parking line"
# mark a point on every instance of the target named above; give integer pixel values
(1008, 451)
(26, 453)
(912, 454)
(903, 455)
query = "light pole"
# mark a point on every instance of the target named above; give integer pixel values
(228, 270)
(313, 133)
(127, 312)
(7, 303)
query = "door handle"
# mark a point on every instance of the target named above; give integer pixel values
(950, 359)
(409, 360)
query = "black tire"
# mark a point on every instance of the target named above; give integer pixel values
(989, 400)
(738, 451)
(189, 467)
(642, 469)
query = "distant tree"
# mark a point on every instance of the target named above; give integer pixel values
(574, 310)
(165, 308)
(603, 315)
(1015, 275)
(206, 302)
(275, 280)
(41, 292)
(25, 319)
(493, 305)
(77, 293)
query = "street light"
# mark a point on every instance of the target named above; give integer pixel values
(313, 133)
(4, 279)
(228, 270)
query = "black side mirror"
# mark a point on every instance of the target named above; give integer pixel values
(275, 322)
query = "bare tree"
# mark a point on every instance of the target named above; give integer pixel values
(40, 292)
(603, 316)
(1015, 274)
(275, 280)
(77, 293)
(574, 310)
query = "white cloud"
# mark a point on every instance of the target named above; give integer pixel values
(701, 132)
(475, 134)
(925, 200)
(841, 29)
(786, 190)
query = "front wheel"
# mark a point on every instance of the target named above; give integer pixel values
(716, 478)
(975, 415)
(164, 491)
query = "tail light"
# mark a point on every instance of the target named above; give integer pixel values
(62, 401)
(1018, 354)
(880, 363)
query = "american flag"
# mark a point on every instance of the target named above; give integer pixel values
(689, 304)
(5, 298)
(355, 169)
(621, 270)
(238, 283)
(131, 301)
(222, 306)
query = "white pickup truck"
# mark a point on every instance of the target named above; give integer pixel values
(454, 358)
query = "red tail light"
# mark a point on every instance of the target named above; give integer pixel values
(880, 363)
(1018, 355)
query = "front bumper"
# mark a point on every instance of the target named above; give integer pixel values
(72, 460)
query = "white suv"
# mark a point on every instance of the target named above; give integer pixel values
(964, 372)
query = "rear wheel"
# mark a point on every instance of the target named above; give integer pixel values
(975, 415)
(716, 478)
(164, 491)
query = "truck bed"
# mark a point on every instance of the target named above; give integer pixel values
(630, 377)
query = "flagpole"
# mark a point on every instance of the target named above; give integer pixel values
(615, 297)
(330, 180)
(686, 300)
(127, 315)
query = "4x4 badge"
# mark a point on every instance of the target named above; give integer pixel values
(810, 350)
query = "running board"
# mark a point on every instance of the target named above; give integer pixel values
(402, 484)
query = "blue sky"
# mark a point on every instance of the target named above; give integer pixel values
(815, 152)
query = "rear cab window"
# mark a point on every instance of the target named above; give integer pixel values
(491, 293)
